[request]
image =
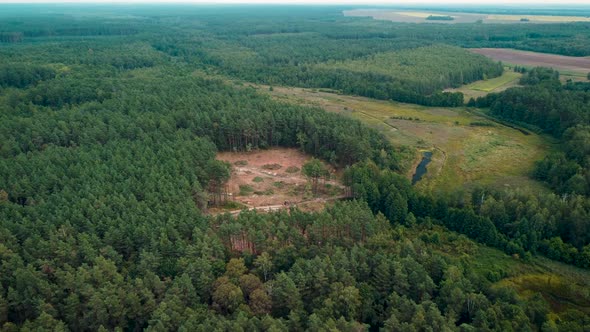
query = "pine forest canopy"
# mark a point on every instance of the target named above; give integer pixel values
(110, 121)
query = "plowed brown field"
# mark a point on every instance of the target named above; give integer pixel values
(533, 59)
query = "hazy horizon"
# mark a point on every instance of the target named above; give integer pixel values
(469, 3)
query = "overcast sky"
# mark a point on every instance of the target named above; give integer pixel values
(359, 2)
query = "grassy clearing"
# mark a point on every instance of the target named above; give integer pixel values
(559, 291)
(481, 88)
(463, 155)
(563, 286)
(495, 83)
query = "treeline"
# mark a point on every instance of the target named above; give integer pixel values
(372, 85)
(520, 223)
(558, 109)
(567, 39)
(332, 31)
(544, 102)
(319, 48)
(11, 37)
(440, 18)
(92, 30)
(568, 172)
(38, 25)
(416, 75)
(19, 75)
(66, 57)
(540, 223)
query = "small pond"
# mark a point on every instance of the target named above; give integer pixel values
(421, 169)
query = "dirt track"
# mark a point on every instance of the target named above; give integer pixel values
(559, 62)
(274, 208)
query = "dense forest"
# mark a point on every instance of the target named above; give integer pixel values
(109, 127)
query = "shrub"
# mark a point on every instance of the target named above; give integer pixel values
(292, 169)
(272, 167)
(246, 190)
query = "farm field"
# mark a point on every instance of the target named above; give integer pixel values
(410, 16)
(414, 16)
(467, 149)
(538, 18)
(407, 16)
(579, 66)
(481, 88)
(272, 179)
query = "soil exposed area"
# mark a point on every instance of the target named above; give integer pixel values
(272, 179)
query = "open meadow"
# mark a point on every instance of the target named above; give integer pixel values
(508, 79)
(495, 84)
(467, 149)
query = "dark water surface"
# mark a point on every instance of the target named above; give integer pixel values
(421, 169)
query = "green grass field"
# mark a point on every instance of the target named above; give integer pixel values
(467, 149)
(481, 88)
(494, 83)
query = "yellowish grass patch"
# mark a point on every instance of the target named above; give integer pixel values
(464, 154)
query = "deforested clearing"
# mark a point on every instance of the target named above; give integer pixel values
(273, 179)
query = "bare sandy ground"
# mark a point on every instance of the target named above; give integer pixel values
(271, 187)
